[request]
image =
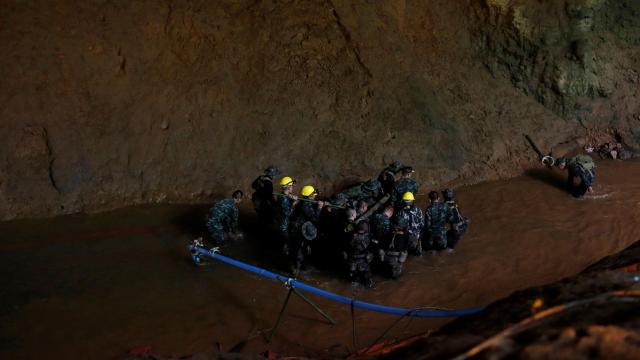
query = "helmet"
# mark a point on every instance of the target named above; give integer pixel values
(395, 166)
(372, 185)
(408, 196)
(287, 181)
(309, 231)
(272, 171)
(307, 190)
(448, 194)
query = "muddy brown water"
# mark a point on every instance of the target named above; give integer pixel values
(95, 286)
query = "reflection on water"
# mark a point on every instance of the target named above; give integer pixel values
(96, 286)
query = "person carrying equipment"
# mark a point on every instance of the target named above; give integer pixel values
(414, 219)
(305, 212)
(387, 177)
(404, 185)
(581, 168)
(285, 205)
(262, 198)
(222, 221)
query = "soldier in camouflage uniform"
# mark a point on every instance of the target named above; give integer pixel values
(458, 224)
(304, 212)
(438, 215)
(301, 249)
(359, 256)
(286, 204)
(387, 177)
(222, 221)
(413, 216)
(262, 198)
(581, 167)
(396, 248)
(381, 224)
(404, 185)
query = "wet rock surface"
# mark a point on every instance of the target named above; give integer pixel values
(117, 103)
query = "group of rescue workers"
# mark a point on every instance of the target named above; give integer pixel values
(372, 221)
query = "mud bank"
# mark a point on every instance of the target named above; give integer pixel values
(108, 104)
(594, 315)
(97, 286)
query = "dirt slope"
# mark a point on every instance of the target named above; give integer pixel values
(110, 103)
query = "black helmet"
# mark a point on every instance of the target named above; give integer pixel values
(395, 166)
(272, 171)
(448, 194)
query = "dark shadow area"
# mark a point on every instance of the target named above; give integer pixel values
(548, 177)
(193, 221)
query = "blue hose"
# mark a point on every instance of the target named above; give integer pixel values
(433, 313)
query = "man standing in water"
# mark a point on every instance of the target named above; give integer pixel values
(223, 219)
(286, 203)
(262, 198)
(581, 168)
(437, 216)
(458, 223)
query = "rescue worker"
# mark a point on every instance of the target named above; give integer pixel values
(286, 203)
(223, 219)
(300, 249)
(582, 168)
(359, 256)
(331, 227)
(404, 185)
(396, 249)
(458, 223)
(381, 224)
(306, 210)
(437, 216)
(415, 222)
(387, 177)
(262, 198)
(362, 208)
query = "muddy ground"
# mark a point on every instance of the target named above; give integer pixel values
(98, 286)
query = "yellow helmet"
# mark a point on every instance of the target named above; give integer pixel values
(408, 196)
(307, 190)
(287, 180)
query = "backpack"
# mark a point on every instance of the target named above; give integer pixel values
(584, 161)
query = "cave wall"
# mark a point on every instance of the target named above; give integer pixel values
(112, 103)
(579, 58)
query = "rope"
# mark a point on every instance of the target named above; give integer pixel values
(429, 313)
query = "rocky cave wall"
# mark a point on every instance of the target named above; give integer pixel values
(112, 103)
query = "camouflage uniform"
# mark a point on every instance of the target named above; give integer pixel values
(223, 219)
(380, 226)
(458, 225)
(359, 258)
(396, 250)
(403, 186)
(285, 209)
(387, 177)
(414, 218)
(578, 168)
(438, 215)
(304, 212)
